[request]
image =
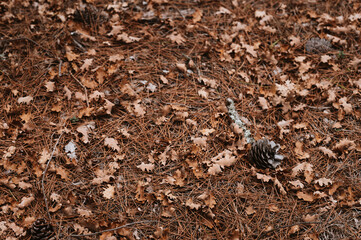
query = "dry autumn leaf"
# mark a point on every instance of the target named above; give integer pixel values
(26, 201)
(108, 193)
(112, 143)
(25, 100)
(324, 182)
(299, 151)
(176, 38)
(305, 196)
(149, 167)
(327, 152)
(250, 210)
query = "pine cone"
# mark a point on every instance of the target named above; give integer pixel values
(318, 45)
(263, 154)
(41, 230)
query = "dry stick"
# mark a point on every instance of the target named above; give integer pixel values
(86, 92)
(112, 229)
(44, 173)
(233, 114)
(60, 63)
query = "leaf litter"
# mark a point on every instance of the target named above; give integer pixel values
(140, 92)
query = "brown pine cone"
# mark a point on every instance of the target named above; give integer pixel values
(41, 230)
(263, 154)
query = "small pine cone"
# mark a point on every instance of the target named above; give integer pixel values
(41, 230)
(263, 154)
(318, 45)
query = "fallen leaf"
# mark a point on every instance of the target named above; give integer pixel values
(344, 144)
(96, 95)
(319, 194)
(109, 105)
(112, 143)
(263, 177)
(250, 210)
(164, 79)
(149, 167)
(297, 184)
(116, 58)
(200, 141)
(310, 218)
(325, 58)
(49, 86)
(138, 109)
(25, 100)
(45, 156)
(26, 201)
(224, 159)
(334, 188)
(279, 185)
(307, 168)
(182, 67)
(197, 16)
(67, 92)
(192, 205)
(208, 82)
(84, 212)
(87, 63)
(264, 103)
(62, 172)
(346, 106)
(203, 93)
(305, 196)
(108, 193)
(324, 182)
(84, 130)
(214, 169)
(299, 152)
(327, 152)
(176, 38)
(9, 152)
(208, 199)
(55, 197)
(24, 185)
(124, 37)
(294, 229)
(17, 230)
(302, 125)
(273, 208)
(207, 131)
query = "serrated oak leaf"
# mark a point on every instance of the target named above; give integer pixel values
(108, 193)
(149, 167)
(112, 143)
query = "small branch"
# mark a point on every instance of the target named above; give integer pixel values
(85, 90)
(112, 229)
(44, 174)
(60, 63)
(237, 120)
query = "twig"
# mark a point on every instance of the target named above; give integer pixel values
(60, 63)
(112, 229)
(44, 173)
(86, 92)
(237, 120)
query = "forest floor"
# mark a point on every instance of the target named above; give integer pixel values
(116, 113)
